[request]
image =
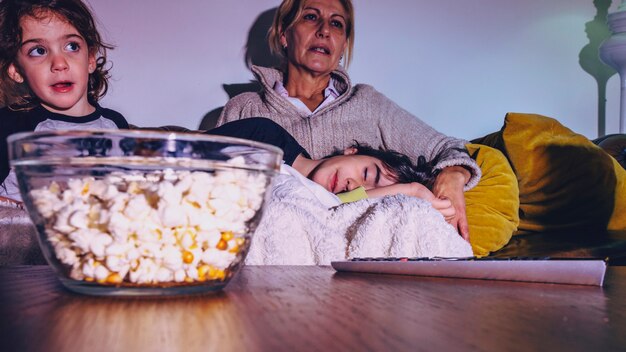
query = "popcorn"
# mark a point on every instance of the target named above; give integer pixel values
(149, 228)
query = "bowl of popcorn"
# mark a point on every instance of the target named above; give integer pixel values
(143, 213)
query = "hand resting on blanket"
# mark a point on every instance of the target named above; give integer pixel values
(414, 189)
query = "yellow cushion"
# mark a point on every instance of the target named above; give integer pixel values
(492, 206)
(565, 181)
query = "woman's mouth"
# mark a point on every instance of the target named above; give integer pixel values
(62, 87)
(321, 50)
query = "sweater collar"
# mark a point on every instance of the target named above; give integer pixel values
(269, 76)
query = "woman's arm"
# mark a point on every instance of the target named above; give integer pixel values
(240, 107)
(457, 171)
(407, 134)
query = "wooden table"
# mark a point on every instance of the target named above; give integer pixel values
(293, 308)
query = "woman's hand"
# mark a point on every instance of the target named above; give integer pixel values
(449, 185)
(444, 206)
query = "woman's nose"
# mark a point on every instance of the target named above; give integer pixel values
(322, 30)
(59, 63)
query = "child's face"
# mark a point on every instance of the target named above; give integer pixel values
(346, 172)
(55, 62)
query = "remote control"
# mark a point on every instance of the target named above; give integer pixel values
(579, 271)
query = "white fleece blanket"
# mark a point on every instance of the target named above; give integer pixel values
(298, 228)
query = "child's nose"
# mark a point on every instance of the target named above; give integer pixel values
(352, 184)
(59, 63)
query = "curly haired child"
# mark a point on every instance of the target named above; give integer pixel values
(53, 71)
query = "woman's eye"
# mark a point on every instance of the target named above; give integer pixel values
(337, 24)
(37, 51)
(72, 46)
(310, 17)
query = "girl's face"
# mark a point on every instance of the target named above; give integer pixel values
(317, 39)
(344, 173)
(55, 62)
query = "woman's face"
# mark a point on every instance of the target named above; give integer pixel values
(317, 40)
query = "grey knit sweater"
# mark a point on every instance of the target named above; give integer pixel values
(360, 114)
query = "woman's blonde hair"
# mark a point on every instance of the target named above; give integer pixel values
(289, 11)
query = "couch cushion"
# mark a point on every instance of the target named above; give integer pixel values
(565, 181)
(492, 206)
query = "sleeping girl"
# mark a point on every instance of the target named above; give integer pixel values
(354, 173)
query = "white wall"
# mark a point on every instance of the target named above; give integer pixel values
(459, 65)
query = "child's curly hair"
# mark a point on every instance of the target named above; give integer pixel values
(18, 96)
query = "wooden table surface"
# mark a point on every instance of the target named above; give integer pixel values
(300, 308)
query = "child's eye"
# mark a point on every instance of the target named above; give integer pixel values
(37, 51)
(365, 175)
(72, 46)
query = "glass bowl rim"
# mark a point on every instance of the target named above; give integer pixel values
(140, 134)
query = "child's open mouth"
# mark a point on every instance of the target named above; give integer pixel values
(62, 87)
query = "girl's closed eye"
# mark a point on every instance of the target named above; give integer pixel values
(371, 176)
(377, 178)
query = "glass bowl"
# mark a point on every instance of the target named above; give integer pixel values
(143, 213)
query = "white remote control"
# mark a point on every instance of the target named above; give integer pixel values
(544, 270)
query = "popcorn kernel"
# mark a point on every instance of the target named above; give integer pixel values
(203, 270)
(114, 278)
(187, 257)
(227, 235)
(222, 245)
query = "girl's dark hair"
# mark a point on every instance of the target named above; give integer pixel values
(400, 166)
(18, 96)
